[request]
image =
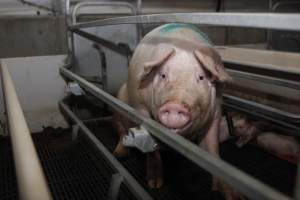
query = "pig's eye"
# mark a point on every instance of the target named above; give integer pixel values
(200, 77)
(163, 76)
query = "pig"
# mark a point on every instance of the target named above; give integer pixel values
(260, 134)
(175, 77)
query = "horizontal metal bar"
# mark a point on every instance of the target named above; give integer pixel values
(131, 183)
(31, 180)
(269, 67)
(267, 110)
(106, 43)
(264, 79)
(251, 20)
(285, 128)
(242, 182)
(280, 120)
(80, 5)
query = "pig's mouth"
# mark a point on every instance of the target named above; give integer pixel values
(181, 129)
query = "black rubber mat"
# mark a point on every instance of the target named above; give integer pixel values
(75, 170)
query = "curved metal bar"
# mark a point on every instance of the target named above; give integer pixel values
(251, 20)
(84, 4)
(277, 4)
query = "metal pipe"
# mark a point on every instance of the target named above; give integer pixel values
(84, 4)
(103, 66)
(130, 182)
(297, 186)
(264, 79)
(140, 29)
(250, 20)
(242, 182)
(265, 66)
(123, 50)
(31, 180)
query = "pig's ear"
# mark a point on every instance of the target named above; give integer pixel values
(213, 64)
(159, 59)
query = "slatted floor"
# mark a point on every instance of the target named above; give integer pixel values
(75, 170)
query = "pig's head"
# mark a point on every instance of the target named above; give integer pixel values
(182, 85)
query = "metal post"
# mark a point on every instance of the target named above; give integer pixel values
(297, 187)
(103, 66)
(31, 180)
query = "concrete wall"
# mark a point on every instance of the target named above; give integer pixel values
(32, 36)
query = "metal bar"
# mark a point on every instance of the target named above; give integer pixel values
(31, 180)
(134, 11)
(39, 6)
(242, 182)
(103, 65)
(106, 43)
(131, 183)
(297, 186)
(270, 67)
(140, 29)
(267, 110)
(264, 79)
(115, 185)
(286, 128)
(251, 20)
(280, 120)
(84, 4)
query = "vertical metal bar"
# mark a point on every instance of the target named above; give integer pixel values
(230, 123)
(103, 66)
(140, 30)
(115, 185)
(31, 180)
(297, 187)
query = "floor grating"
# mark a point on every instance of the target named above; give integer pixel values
(74, 170)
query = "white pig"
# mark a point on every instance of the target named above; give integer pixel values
(174, 78)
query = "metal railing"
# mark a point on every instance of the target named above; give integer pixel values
(236, 178)
(240, 181)
(250, 20)
(30, 178)
(81, 5)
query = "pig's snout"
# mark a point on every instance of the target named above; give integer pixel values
(174, 115)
